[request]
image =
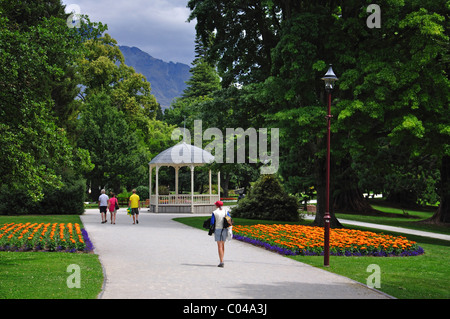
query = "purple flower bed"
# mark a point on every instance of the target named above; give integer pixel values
(89, 246)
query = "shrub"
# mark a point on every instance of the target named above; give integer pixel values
(268, 200)
(142, 191)
(69, 199)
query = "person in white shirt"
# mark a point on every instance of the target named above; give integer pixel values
(103, 205)
(220, 233)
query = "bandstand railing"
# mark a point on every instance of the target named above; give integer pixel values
(184, 199)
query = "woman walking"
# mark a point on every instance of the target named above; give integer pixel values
(113, 204)
(220, 233)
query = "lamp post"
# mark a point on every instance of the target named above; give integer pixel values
(329, 79)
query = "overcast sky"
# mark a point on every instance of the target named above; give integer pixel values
(158, 27)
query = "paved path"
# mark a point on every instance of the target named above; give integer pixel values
(163, 259)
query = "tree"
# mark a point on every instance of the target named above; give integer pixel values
(268, 200)
(204, 79)
(28, 13)
(240, 35)
(403, 96)
(113, 146)
(234, 108)
(103, 69)
(35, 48)
(203, 82)
(394, 98)
(126, 97)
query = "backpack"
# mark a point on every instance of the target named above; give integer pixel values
(227, 221)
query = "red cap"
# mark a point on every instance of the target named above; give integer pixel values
(219, 203)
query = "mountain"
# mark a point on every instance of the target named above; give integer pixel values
(167, 79)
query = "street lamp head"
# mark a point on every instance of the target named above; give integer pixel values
(329, 79)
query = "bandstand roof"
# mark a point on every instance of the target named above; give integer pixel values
(182, 154)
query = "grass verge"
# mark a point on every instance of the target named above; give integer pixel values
(44, 275)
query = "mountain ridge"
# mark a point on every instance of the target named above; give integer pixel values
(167, 79)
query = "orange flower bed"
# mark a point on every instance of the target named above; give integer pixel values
(307, 240)
(43, 236)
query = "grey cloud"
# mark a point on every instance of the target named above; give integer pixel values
(158, 27)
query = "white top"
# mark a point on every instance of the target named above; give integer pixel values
(183, 153)
(219, 214)
(103, 199)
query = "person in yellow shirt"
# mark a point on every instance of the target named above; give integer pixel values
(135, 205)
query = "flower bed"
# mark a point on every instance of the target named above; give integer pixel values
(308, 241)
(44, 237)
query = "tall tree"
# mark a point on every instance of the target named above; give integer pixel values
(103, 69)
(125, 98)
(113, 146)
(204, 79)
(244, 32)
(403, 96)
(395, 98)
(35, 48)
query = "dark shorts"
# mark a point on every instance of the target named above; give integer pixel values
(103, 209)
(135, 211)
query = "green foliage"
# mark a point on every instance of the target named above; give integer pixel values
(268, 200)
(36, 52)
(66, 200)
(46, 132)
(384, 103)
(118, 123)
(203, 83)
(113, 146)
(143, 192)
(103, 69)
(204, 79)
(69, 200)
(239, 36)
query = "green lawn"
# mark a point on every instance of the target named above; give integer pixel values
(419, 277)
(43, 275)
(412, 222)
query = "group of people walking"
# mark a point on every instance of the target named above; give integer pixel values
(106, 203)
(220, 231)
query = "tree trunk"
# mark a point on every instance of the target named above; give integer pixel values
(320, 176)
(225, 183)
(442, 215)
(351, 200)
(95, 193)
(348, 198)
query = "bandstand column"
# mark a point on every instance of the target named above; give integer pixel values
(157, 190)
(192, 189)
(177, 169)
(218, 184)
(210, 187)
(150, 189)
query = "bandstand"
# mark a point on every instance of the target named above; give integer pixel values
(182, 155)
